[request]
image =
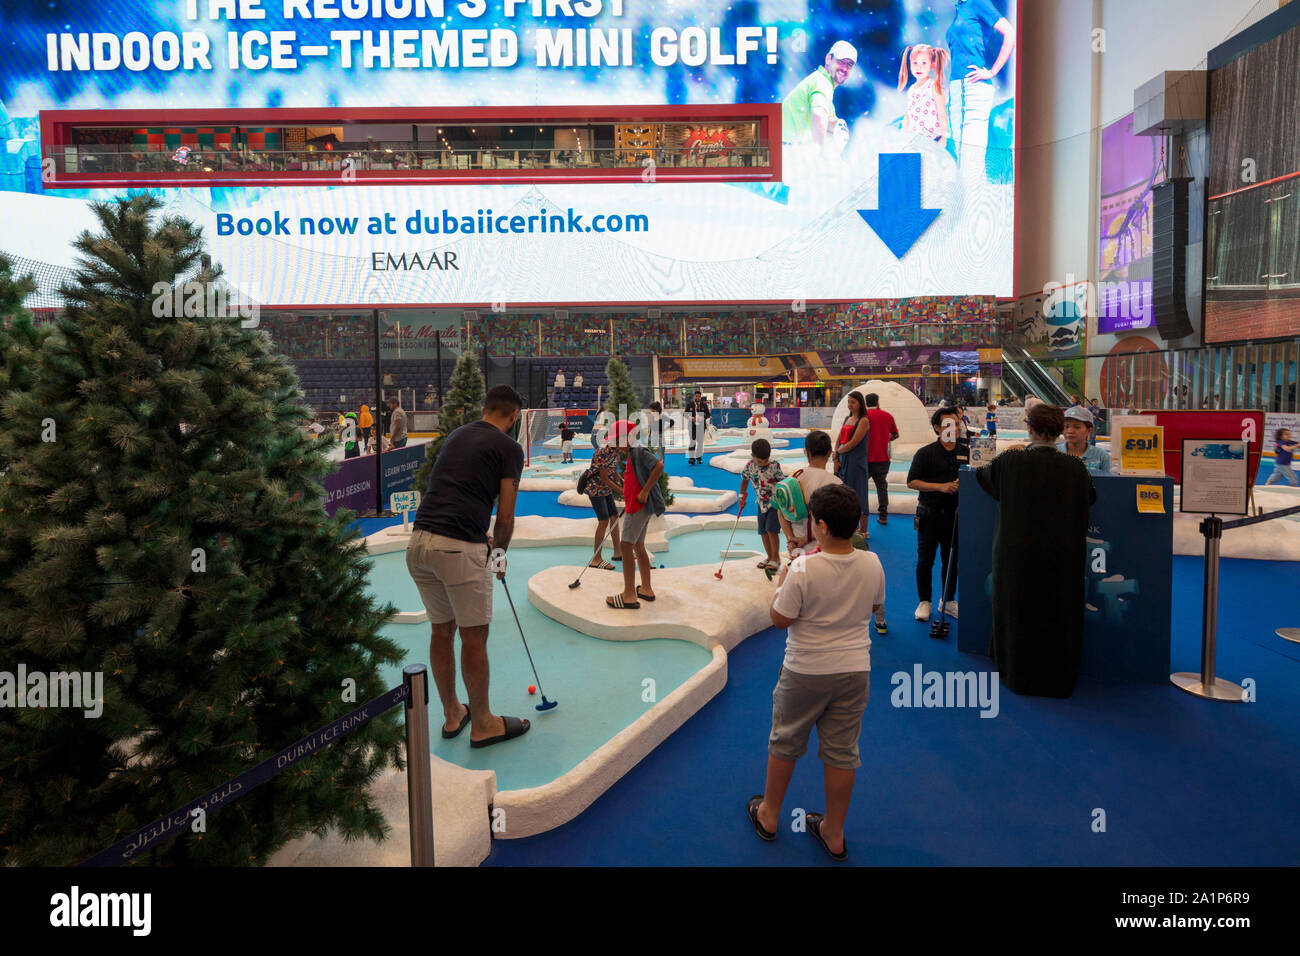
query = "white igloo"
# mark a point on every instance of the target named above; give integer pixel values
(913, 420)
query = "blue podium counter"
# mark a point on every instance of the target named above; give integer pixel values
(1129, 575)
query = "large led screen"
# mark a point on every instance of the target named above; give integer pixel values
(895, 139)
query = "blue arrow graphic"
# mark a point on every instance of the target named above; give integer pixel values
(900, 220)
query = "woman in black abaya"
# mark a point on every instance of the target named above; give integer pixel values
(1039, 559)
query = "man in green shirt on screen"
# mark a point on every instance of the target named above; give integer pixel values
(808, 111)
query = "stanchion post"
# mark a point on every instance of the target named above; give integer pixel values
(419, 787)
(1205, 684)
(1212, 528)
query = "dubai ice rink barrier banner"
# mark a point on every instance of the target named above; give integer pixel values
(1129, 573)
(353, 485)
(908, 192)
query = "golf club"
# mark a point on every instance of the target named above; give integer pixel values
(939, 628)
(599, 545)
(718, 574)
(545, 704)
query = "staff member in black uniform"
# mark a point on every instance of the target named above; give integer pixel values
(934, 476)
(697, 412)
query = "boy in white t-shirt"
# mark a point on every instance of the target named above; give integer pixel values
(817, 448)
(798, 534)
(824, 600)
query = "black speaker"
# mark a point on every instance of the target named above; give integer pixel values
(1169, 204)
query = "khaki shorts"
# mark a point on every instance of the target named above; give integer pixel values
(834, 702)
(453, 577)
(635, 525)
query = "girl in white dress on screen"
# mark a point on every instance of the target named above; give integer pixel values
(926, 112)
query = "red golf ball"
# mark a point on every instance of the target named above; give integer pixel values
(532, 688)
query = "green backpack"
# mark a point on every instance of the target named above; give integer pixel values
(788, 498)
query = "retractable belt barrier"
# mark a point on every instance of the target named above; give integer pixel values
(1206, 684)
(414, 691)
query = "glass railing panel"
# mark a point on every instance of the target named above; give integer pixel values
(118, 158)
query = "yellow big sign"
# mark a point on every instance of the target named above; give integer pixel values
(1150, 499)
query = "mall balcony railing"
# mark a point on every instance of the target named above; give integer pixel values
(1261, 375)
(862, 338)
(92, 159)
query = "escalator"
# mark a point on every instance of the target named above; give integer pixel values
(1031, 374)
(1013, 382)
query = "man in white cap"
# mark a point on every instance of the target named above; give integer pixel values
(1078, 429)
(808, 111)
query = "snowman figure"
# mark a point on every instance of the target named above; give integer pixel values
(757, 426)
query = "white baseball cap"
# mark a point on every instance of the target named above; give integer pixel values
(1079, 413)
(843, 50)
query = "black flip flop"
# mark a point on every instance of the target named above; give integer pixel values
(616, 601)
(752, 810)
(643, 597)
(453, 734)
(814, 821)
(514, 728)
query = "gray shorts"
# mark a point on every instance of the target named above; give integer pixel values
(834, 702)
(453, 577)
(635, 524)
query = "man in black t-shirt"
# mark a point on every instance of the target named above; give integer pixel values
(451, 557)
(933, 476)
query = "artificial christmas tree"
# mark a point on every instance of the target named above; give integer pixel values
(622, 399)
(162, 524)
(18, 334)
(464, 404)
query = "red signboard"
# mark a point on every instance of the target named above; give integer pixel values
(1236, 424)
(708, 141)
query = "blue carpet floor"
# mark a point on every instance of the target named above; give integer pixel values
(1180, 781)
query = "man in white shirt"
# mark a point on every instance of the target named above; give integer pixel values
(398, 424)
(824, 600)
(559, 378)
(577, 380)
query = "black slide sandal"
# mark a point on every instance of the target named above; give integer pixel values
(643, 597)
(752, 810)
(814, 821)
(514, 728)
(453, 734)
